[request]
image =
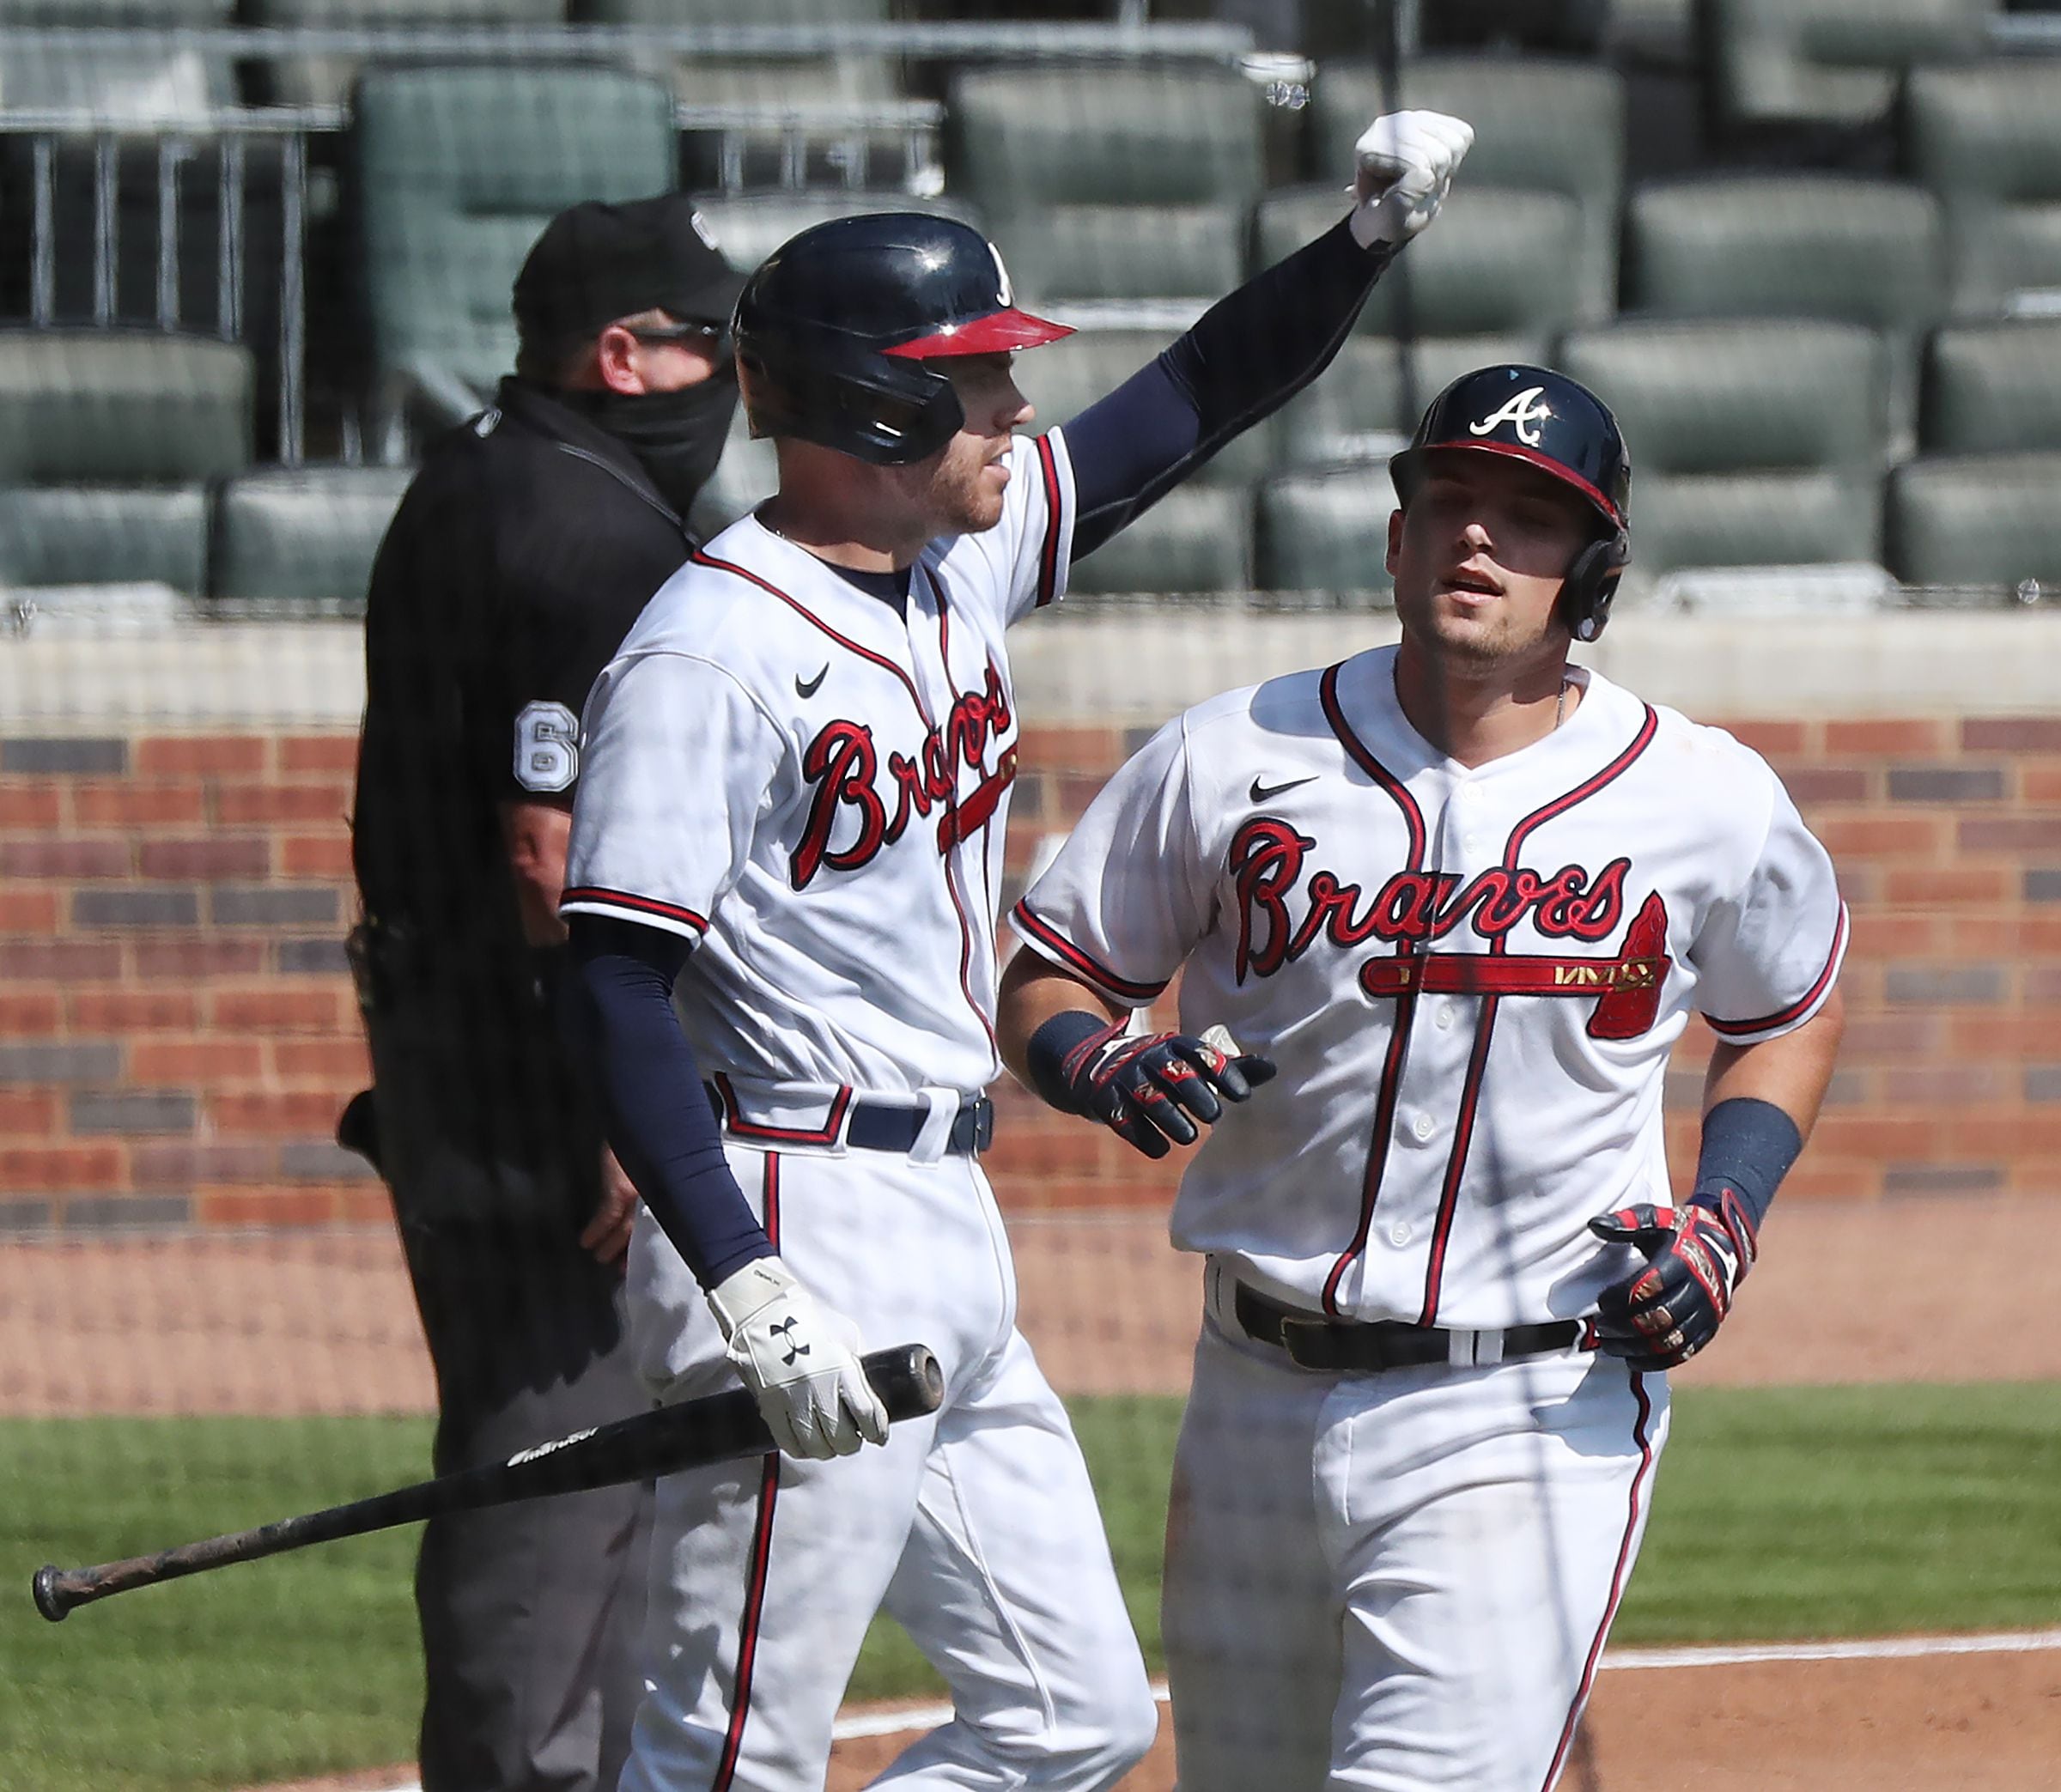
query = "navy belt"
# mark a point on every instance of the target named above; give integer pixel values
(1314, 1342)
(885, 1126)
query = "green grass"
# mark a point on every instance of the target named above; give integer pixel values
(1793, 1513)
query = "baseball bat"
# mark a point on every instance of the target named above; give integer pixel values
(694, 1434)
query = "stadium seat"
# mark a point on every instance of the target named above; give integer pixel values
(165, 83)
(455, 171)
(1799, 246)
(1110, 183)
(1987, 141)
(1978, 520)
(1752, 443)
(1779, 68)
(1325, 529)
(107, 441)
(1538, 199)
(1197, 538)
(301, 534)
(1992, 389)
(326, 80)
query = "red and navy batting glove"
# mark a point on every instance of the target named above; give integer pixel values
(1150, 1089)
(1696, 1257)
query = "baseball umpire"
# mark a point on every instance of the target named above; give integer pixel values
(526, 547)
(1464, 896)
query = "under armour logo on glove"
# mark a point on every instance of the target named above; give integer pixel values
(1697, 1257)
(785, 1331)
(1150, 1089)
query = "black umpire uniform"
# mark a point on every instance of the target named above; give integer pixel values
(526, 545)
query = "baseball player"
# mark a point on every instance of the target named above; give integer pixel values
(1457, 897)
(794, 782)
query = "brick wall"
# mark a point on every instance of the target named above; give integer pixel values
(177, 1033)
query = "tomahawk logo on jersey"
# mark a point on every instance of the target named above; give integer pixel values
(789, 770)
(1461, 971)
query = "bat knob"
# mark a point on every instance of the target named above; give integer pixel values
(47, 1600)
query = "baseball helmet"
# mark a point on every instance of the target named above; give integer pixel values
(835, 328)
(1558, 425)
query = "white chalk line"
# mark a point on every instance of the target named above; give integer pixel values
(860, 1724)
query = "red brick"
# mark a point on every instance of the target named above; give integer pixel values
(203, 753)
(298, 1207)
(2008, 1133)
(2004, 1034)
(282, 1010)
(28, 1013)
(360, 1204)
(28, 911)
(136, 805)
(2011, 733)
(1875, 1136)
(29, 1113)
(30, 806)
(208, 1063)
(1905, 1083)
(1878, 834)
(222, 855)
(1884, 735)
(336, 1061)
(1811, 785)
(324, 801)
(184, 1162)
(74, 858)
(197, 957)
(1876, 935)
(319, 753)
(2009, 833)
(1096, 748)
(61, 1166)
(1770, 738)
(319, 855)
(2038, 932)
(64, 961)
(2039, 781)
(1961, 882)
(132, 1011)
(1837, 1179)
(273, 1113)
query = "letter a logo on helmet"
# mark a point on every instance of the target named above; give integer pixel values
(1523, 413)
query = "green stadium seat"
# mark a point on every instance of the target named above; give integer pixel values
(1110, 183)
(1197, 538)
(1992, 389)
(1536, 202)
(1753, 442)
(1977, 519)
(166, 83)
(1778, 64)
(301, 534)
(455, 171)
(1326, 529)
(107, 441)
(326, 80)
(1987, 141)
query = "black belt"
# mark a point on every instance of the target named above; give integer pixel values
(883, 1126)
(1314, 1342)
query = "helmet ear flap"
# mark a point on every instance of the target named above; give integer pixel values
(1591, 583)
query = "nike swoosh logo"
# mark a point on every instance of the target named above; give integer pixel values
(1266, 792)
(808, 687)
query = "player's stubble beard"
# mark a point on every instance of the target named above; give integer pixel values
(951, 491)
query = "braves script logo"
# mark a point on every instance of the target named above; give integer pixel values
(843, 765)
(1521, 413)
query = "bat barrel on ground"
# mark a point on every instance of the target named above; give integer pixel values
(693, 1434)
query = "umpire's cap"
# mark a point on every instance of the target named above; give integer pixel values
(834, 328)
(1558, 425)
(596, 262)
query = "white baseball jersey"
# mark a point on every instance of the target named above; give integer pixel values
(1470, 979)
(815, 787)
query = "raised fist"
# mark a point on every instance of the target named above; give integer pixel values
(1403, 164)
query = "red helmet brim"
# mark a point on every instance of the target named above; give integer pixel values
(997, 333)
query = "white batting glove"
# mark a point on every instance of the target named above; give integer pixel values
(1404, 162)
(800, 1360)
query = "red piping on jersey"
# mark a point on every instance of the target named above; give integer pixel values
(761, 1552)
(1047, 555)
(1406, 1004)
(640, 905)
(1470, 1093)
(735, 1123)
(1072, 956)
(702, 558)
(945, 858)
(1734, 1029)
(1617, 1577)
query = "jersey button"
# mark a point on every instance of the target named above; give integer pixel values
(1400, 1234)
(1443, 1018)
(1422, 1126)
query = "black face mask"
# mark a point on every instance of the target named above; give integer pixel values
(677, 437)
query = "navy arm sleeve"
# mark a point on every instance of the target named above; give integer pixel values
(618, 1014)
(1246, 356)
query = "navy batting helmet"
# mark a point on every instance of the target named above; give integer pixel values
(1558, 425)
(834, 328)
